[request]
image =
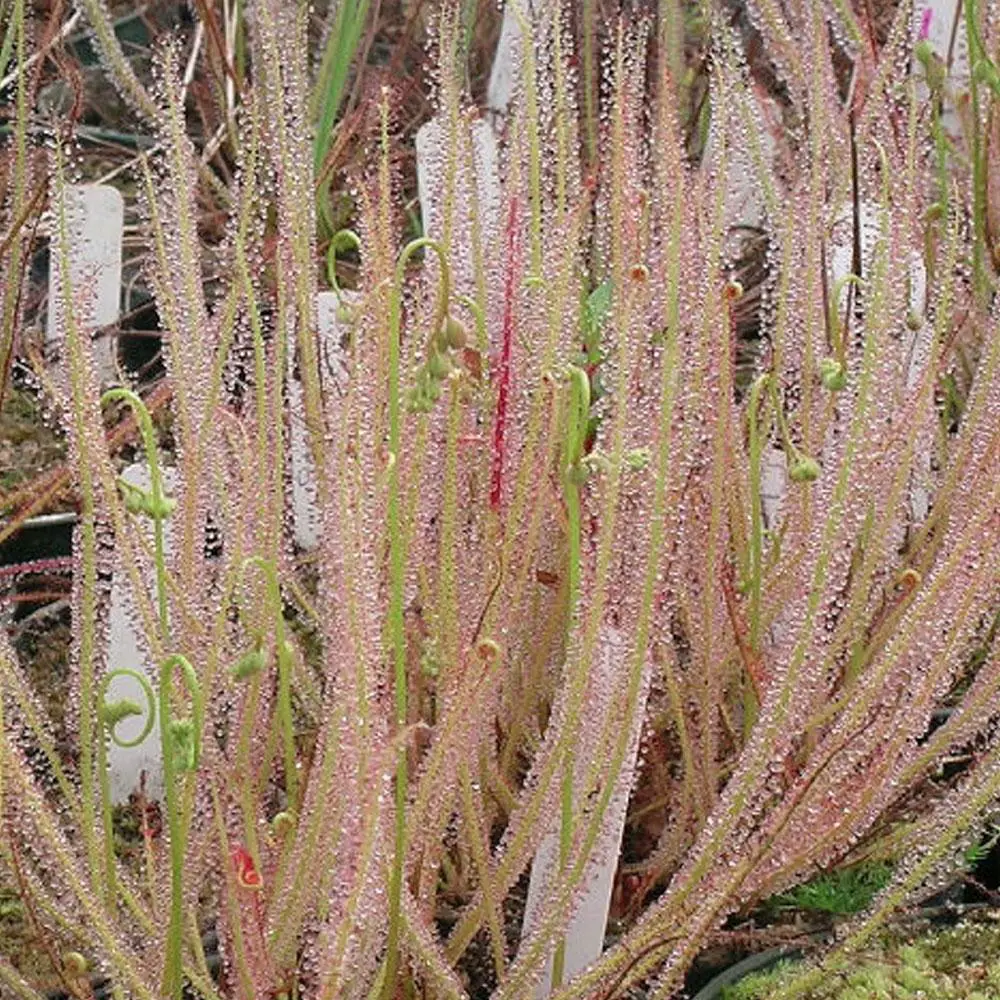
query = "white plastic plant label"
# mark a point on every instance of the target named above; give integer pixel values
(584, 939)
(96, 218)
(331, 327)
(142, 764)
(500, 88)
(745, 200)
(431, 164)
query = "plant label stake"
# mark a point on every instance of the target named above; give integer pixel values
(432, 181)
(745, 197)
(127, 650)
(584, 937)
(96, 214)
(773, 485)
(506, 60)
(332, 321)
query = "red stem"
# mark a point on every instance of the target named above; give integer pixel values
(55, 564)
(502, 372)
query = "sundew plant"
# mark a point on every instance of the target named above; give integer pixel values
(557, 519)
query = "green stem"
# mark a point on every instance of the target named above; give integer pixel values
(113, 57)
(159, 504)
(529, 76)
(14, 38)
(397, 580)
(173, 973)
(756, 554)
(838, 333)
(756, 510)
(576, 433)
(979, 178)
(477, 314)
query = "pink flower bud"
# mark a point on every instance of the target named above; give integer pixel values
(925, 24)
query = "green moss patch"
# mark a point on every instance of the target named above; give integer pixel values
(961, 963)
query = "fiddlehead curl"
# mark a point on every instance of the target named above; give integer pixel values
(112, 713)
(181, 738)
(338, 240)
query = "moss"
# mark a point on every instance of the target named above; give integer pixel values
(757, 984)
(963, 946)
(961, 963)
(841, 893)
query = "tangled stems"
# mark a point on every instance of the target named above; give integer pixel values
(109, 715)
(397, 579)
(180, 744)
(154, 503)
